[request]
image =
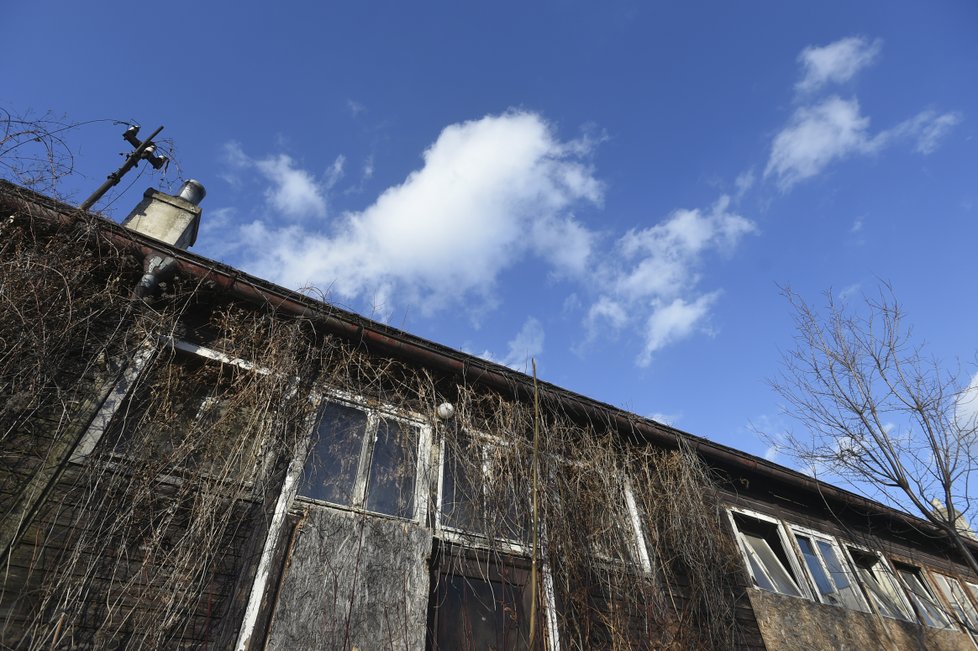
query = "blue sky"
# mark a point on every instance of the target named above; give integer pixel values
(615, 188)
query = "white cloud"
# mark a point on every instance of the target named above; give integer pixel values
(335, 171)
(830, 129)
(744, 182)
(966, 409)
(652, 281)
(836, 62)
(928, 129)
(666, 419)
(671, 322)
(834, 129)
(816, 136)
(491, 192)
(355, 107)
(293, 190)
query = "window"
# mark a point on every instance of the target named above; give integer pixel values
(482, 602)
(952, 591)
(762, 542)
(484, 489)
(881, 584)
(365, 458)
(833, 582)
(189, 412)
(924, 602)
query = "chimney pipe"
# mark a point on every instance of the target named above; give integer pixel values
(192, 191)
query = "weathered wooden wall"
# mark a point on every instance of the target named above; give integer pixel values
(353, 581)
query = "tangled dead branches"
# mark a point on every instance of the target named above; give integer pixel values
(146, 540)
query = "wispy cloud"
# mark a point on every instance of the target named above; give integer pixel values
(815, 137)
(927, 129)
(292, 191)
(834, 129)
(651, 281)
(825, 130)
(836, 62)
(355, 107)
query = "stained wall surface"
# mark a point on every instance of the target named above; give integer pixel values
(353, 581)
(792, 624)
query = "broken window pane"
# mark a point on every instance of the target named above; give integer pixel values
(880, 583)
(767, 559)
(331, 467)
(390, 487)
(828, 573)
(928, 609)
(963, 608)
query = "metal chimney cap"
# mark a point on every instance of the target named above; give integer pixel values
(192, 191)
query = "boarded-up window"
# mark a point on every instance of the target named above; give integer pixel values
(481, 603)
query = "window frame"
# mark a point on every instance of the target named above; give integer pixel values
(904, 605)
(459, 535)
(375, 413)
(967, 620)
(142, 361)
(816, 536)
(923, 614)
(795, 571)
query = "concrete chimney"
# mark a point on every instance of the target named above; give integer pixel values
(168, 218)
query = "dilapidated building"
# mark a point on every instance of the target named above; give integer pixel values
(195, 458)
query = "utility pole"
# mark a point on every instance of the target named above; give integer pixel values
(145, 150)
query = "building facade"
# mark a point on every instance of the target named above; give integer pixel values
(195, 458)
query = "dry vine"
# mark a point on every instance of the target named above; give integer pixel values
(145, 542)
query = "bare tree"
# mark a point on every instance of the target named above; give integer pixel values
(36, 151)
(879, 413)
(33, 151)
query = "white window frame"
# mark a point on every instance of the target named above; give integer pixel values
(921, 574)
(904, 605)
(815, 537)
(376, 412)
(116, 398)
(132, 374)
(965, 613)
(462, 536)
(786, 544)
(479, 541)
